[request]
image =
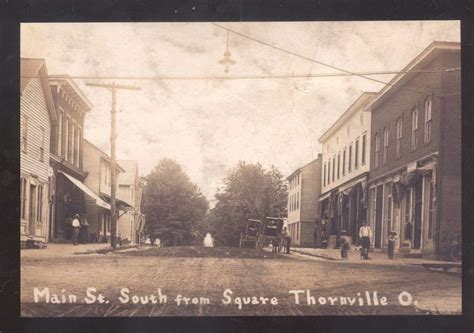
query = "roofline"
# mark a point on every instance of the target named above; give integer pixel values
(394, 83)
(67, 78)
(106, 157)
(364, 97)
(43, 69)
(320, 155)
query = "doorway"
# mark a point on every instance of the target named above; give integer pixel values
(418, 209)
(378, 217)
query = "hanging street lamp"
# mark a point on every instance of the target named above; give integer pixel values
(227, 61)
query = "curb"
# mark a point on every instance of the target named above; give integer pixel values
(323, 256)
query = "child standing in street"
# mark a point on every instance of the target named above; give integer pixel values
(391, 239)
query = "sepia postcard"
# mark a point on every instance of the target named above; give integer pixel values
(240, 169)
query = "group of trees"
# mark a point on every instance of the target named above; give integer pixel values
(178, 213)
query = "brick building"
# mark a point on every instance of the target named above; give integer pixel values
(66, 159)
(303, 202)
(345, 170)
(415, 175)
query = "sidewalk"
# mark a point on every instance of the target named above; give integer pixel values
(375, 257)
(62, 250)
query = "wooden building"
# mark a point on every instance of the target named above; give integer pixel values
(97, 164)
(131, 221)
(37, 114)
(415, 176)
(303, 202)
(345, 170)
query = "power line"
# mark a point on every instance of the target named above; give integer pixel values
(312, 60)
(245, 77)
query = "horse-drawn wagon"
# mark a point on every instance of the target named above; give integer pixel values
(263, 232)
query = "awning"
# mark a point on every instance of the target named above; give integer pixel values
(347, 187)
(123, 205)
(99, 202)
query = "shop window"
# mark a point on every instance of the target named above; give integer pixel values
(431, 207)
(23, 197)
(39, 204)
(408, 230)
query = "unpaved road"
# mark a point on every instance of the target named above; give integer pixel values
(206, 279)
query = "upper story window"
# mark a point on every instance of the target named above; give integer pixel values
(338, 165)
(356, 157)
(428, 123)
(73, 143)
(78, 146)
(60, 132)
(398, 149)
(333, 168)
(349, 166)
(377, 150)
(344, 162)
(329, 172)
(42, 143)
(324, 174)
(364, 143)
(385, 145)
(66, 138)
(24, 134)
(414, 128)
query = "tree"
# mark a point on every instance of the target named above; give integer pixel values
(250, 192)
(173, 205)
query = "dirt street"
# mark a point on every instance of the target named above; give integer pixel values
(204, 280)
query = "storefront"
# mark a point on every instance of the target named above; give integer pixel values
(405, 202)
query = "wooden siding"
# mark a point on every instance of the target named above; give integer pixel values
(310, 191)
(33, 105)
(92, 165)
(35, 171)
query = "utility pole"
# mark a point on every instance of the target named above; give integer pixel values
(113, 87)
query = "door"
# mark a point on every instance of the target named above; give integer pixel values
(378, 217)
(418, 209)
(32, 216)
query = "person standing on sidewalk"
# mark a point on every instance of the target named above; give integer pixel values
(365, 233)
(345, 245)
(76, 227)
(391, 239)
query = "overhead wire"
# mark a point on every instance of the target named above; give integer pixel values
(313, 60)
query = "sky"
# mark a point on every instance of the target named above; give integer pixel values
(209, 125)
